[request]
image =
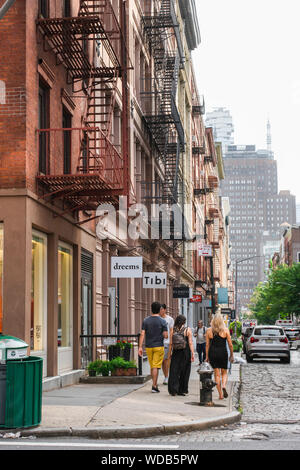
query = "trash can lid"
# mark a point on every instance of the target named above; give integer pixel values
(10, 342)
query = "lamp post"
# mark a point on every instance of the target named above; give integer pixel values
(237, 261)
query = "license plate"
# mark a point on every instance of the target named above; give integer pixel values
(269, 341)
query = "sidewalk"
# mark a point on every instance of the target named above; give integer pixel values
(123, 411)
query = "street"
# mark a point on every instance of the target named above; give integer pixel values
(269, 399)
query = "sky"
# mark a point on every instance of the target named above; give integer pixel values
(249, 62)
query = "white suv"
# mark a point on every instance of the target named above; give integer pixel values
(268, 341)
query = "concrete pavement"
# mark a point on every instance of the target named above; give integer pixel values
(123, 411)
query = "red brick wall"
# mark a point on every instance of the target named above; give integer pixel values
(13, 102)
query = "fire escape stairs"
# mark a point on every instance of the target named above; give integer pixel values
(99, 175)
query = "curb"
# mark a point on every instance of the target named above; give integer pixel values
(134, 432)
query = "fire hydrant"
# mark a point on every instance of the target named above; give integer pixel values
(207, 384)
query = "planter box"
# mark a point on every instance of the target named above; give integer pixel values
(124, 372)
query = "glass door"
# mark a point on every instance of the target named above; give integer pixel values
(65, 308)
(38, 323)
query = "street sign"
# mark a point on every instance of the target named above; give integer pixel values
(126, 266)
(196, 298)
(181, 292)
(155, 280)
(232, 314)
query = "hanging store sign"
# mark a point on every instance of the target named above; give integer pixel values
(155, 280)
(196, 298)
(204, 250)
(126, 266)
(181, 292)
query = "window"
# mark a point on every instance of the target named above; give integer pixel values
(38, 291)
(298, 257)
(67, 9)
(65, 290)
(43, 124)
(44, 8)
(1, 274)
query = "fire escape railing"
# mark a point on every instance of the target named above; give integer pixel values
(163, 119)
(96, 171)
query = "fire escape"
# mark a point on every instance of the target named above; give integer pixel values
(159, 101)
(97, 171)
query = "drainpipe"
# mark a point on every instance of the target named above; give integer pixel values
(6, 7)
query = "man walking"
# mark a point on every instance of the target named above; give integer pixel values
(154, 330)
(200, 333)
(170, 323)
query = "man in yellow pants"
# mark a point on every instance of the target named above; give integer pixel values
(154, 331)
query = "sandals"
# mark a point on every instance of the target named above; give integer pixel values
(225, 392)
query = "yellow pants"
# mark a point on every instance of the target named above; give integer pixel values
(155, 357)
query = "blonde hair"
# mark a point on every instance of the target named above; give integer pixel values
(217, 323)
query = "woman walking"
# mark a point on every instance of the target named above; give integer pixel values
(182, 350)
(216, 352)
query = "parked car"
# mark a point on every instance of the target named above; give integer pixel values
(293, 335)
(245, 336)
(268, 342)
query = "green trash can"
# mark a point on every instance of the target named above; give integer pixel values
(20, 385)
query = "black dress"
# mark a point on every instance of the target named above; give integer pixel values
(180, 370)
(217, 353)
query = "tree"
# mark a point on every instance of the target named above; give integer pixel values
(279, 296)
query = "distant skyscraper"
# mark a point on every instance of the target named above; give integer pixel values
(221, 122)
(257, 211)
(298, 213)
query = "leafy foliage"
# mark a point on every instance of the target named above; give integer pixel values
(279, 296)
(238, 327)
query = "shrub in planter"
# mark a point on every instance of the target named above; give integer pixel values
(105, 368)
(120, 367)
(94, 367)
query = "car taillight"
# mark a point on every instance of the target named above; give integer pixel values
(284, 340)
(253, 340)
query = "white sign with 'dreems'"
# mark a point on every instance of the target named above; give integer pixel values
(126, 266)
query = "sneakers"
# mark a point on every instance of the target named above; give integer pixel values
(155, 389)
(165, 382)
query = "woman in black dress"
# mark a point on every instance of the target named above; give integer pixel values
(181, 359)
(216, 352)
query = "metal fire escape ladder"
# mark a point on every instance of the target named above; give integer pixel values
(99, 175)
(164, 122)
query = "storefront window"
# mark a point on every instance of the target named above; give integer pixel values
(1, 276)
(64, 296)
(38, 292)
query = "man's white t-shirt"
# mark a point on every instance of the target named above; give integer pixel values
(170, 323)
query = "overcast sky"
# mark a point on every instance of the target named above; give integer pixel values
(249, 62)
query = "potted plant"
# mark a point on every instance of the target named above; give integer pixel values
(114, 350)
(237, 345)
(94, 367)
(105, 368)
(120, 367)
(126, 347)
